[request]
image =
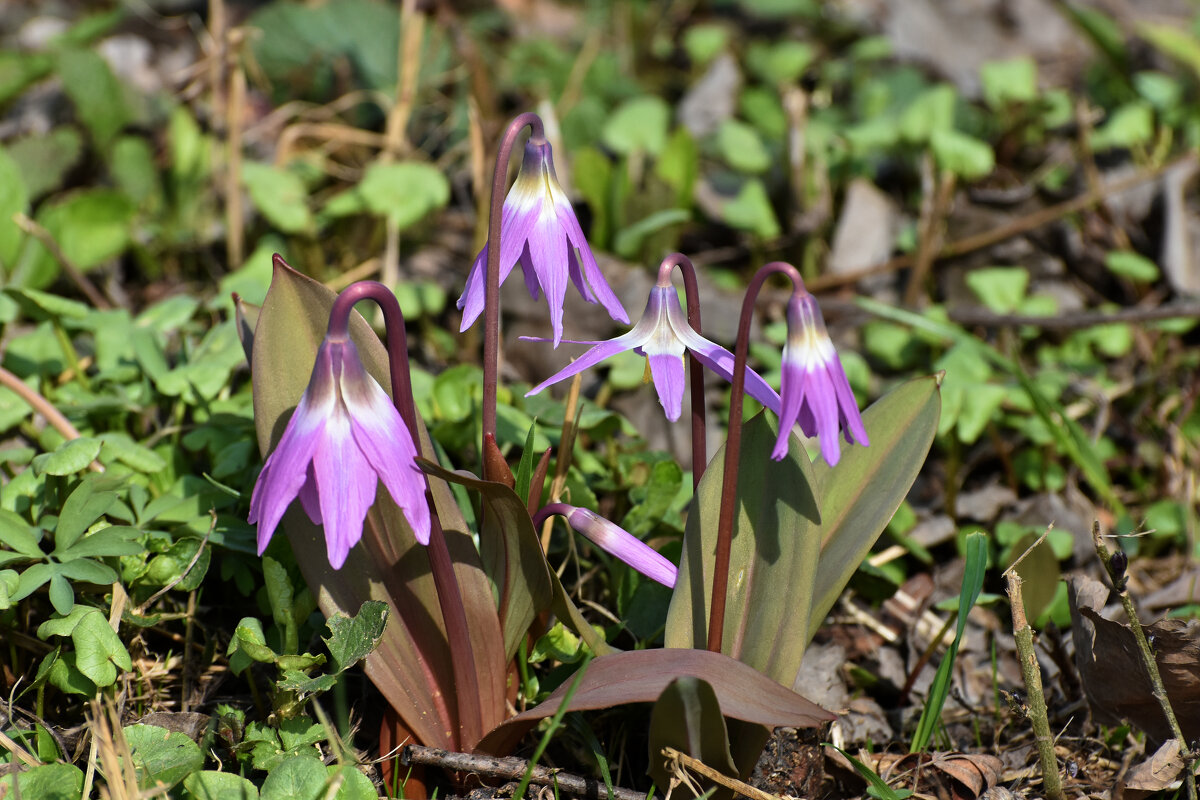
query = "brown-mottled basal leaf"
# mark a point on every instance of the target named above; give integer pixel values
(640, 676)
(773, 559)
(512, 555)
(412, 664)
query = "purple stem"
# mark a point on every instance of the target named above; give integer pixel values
(695, 369)
(462, 654)
(491, 296)
(733, 450)
(549, 510)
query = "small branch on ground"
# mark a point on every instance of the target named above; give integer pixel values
(1032, 675)
(681, 761)
(44, 407)
(512, 769)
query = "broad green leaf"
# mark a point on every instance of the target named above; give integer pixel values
(45, 782)
(641, 676)
(932, 110)
(91, 500)
(592, 175)
(1131, 124)
(213, 785)
(1001, 289)
(9, 581)
(972, 584)
(638, 125)
(72, 456)
(1013, 81)
(281, 597)
(404, 192)
(629, 240)
(1065, 431)
(1131, 265)
(91, 226)
(162, 757)
(132, 165)
(20, 68)
(84, 569)
(19, 535)
(1174, 40)
(116, 540)
(704, 41)
(355, 785)
(678, 165)
(750, 210)
(741, 147)
(295, 778)
(45, 159)
(248, 644)
(62, 595)
(687, 717)
(962, 154)
(98, 649)
(412, 665)
(773, 557)
(98, 97)
(280, 195)
(782, 62)
(352, 638)
(512, 555)
(14, 199)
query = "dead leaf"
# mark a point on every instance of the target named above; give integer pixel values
(1157, 772)
(960, 776)
(1111, 669)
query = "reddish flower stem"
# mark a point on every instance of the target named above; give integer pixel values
(733, 450)
(695, 369)
(491, 297)
(549, 510)
(454, 614)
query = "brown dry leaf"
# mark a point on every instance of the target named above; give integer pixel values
(962, 776)
(1111, 669)
(1157, 772)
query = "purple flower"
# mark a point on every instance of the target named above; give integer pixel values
(343, 438)
(815, 390)
(618, 542)
(662, 335)
(538, 228)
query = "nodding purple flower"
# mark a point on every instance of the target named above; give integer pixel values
(614, 540)
(662, 335)
(814, 390)
(538, 228)
(344, 437)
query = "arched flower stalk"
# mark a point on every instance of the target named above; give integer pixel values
(815, 393)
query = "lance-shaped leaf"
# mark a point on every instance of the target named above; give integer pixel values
(773, 558)
(640, 676)
(860, 495)
(512, 554)
(412, 665)
(856, 498)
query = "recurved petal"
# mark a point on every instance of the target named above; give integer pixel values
(381, 435)
(667, 371)
(623, 545)
(548, 254)
(822, 399)
(473, 296)
(346, 483)
(592, 357)
(285, 470)
(586, 272)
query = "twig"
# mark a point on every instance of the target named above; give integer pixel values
(1116, 574)
(512, 769)
(1032, 675)
(43, 406)
(1083, 319)
(23, 755)
(681, 760)
(1018, 226)
(73, 272)
(235, 235)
